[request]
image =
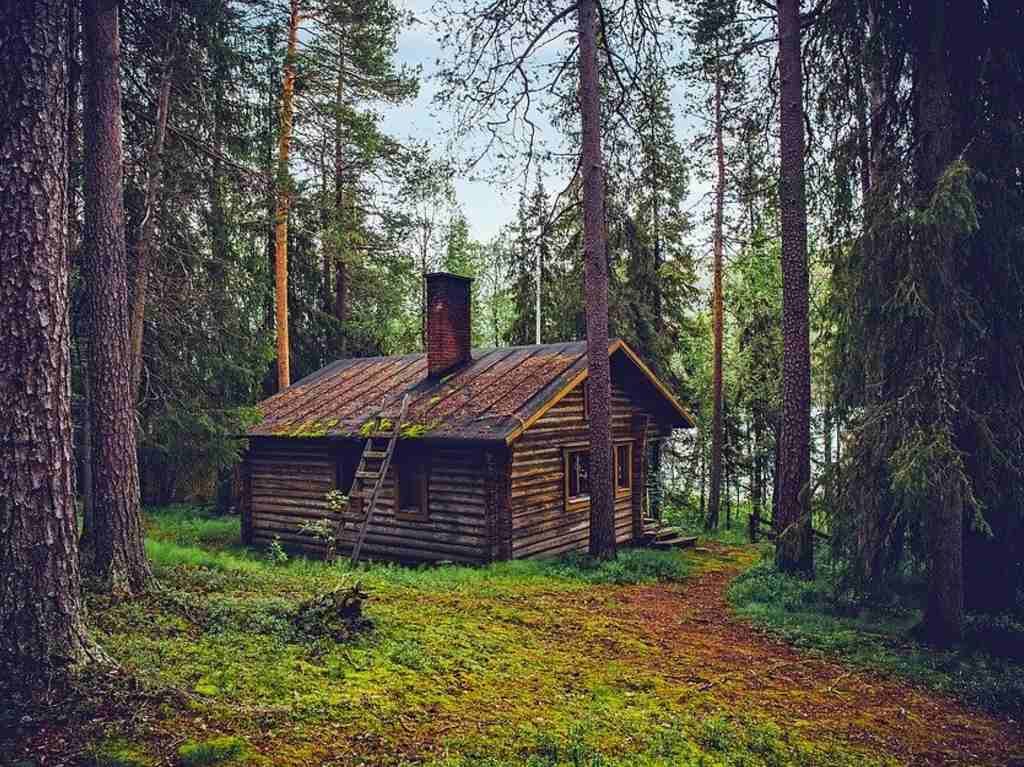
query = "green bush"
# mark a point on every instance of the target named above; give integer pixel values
(630, 566)
(1001, 635)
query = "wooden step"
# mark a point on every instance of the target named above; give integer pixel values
(367, 474)
(677, 542)
(375, 454)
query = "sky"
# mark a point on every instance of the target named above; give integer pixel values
(487, 205)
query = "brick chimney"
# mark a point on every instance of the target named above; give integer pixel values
(448, 322)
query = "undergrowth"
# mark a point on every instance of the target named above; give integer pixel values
(806, 614)
(515, 663)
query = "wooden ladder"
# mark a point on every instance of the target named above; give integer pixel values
(374, 478)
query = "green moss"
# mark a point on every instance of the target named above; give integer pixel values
(306, 429)
(535, 662)
(215, 751)
(117, 752)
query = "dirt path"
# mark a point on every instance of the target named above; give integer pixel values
(736, 663)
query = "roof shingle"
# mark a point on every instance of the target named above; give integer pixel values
(486, 399)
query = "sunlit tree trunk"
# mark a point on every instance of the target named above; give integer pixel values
(602, 502)
(794, 551)
(41, 628)
(282, 206)
(341, 224)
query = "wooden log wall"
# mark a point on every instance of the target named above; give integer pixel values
(541, 524)
(457, 528)
(289, 479)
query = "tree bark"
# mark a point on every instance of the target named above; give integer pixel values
(118, 558)
(794, 550)
(41, 626)
(144, 246)
(340, 265)
(80, 328)
(942, 622)
(602, 502)
(281, 209)
(717, 317)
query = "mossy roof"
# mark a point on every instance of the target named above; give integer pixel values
(493, 397)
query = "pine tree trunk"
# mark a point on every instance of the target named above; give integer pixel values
(717, 317)
(794, 552)
(81, 328)
(942, 622)
(756, 480)
(602, 501)
(41, 627)
(118, 559)
(703, 476)
(340, 266)
(281, 209)
(144, 246)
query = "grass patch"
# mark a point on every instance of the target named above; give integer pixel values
(720, 740)
(117, 752)
(215, 751)
(806, 614)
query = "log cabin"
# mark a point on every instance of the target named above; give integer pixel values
(491, 459)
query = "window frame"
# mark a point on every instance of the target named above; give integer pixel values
(627, 489)
(412, 462)
(574, 502)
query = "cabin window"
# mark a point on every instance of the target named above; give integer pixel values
(412, 481)
(577, 476)
(623, 468)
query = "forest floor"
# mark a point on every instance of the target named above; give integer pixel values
(522, 663)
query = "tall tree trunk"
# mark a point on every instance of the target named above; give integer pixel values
(41, 627)
(829, 479)
(284, 191)
(943, 615)
(602, 502)
(717, 317)
(118, 559)
(794, 552)
(704, 472)
(341, 232)
(154, 177)
(81, 330)
(756, 480)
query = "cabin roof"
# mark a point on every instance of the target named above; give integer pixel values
(494, 397)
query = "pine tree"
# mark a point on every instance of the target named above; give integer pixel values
(792, 518)
(116, 556)
(284, 193)
(41, 626)
(602, 501)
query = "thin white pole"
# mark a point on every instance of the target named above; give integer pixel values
(538, 292)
